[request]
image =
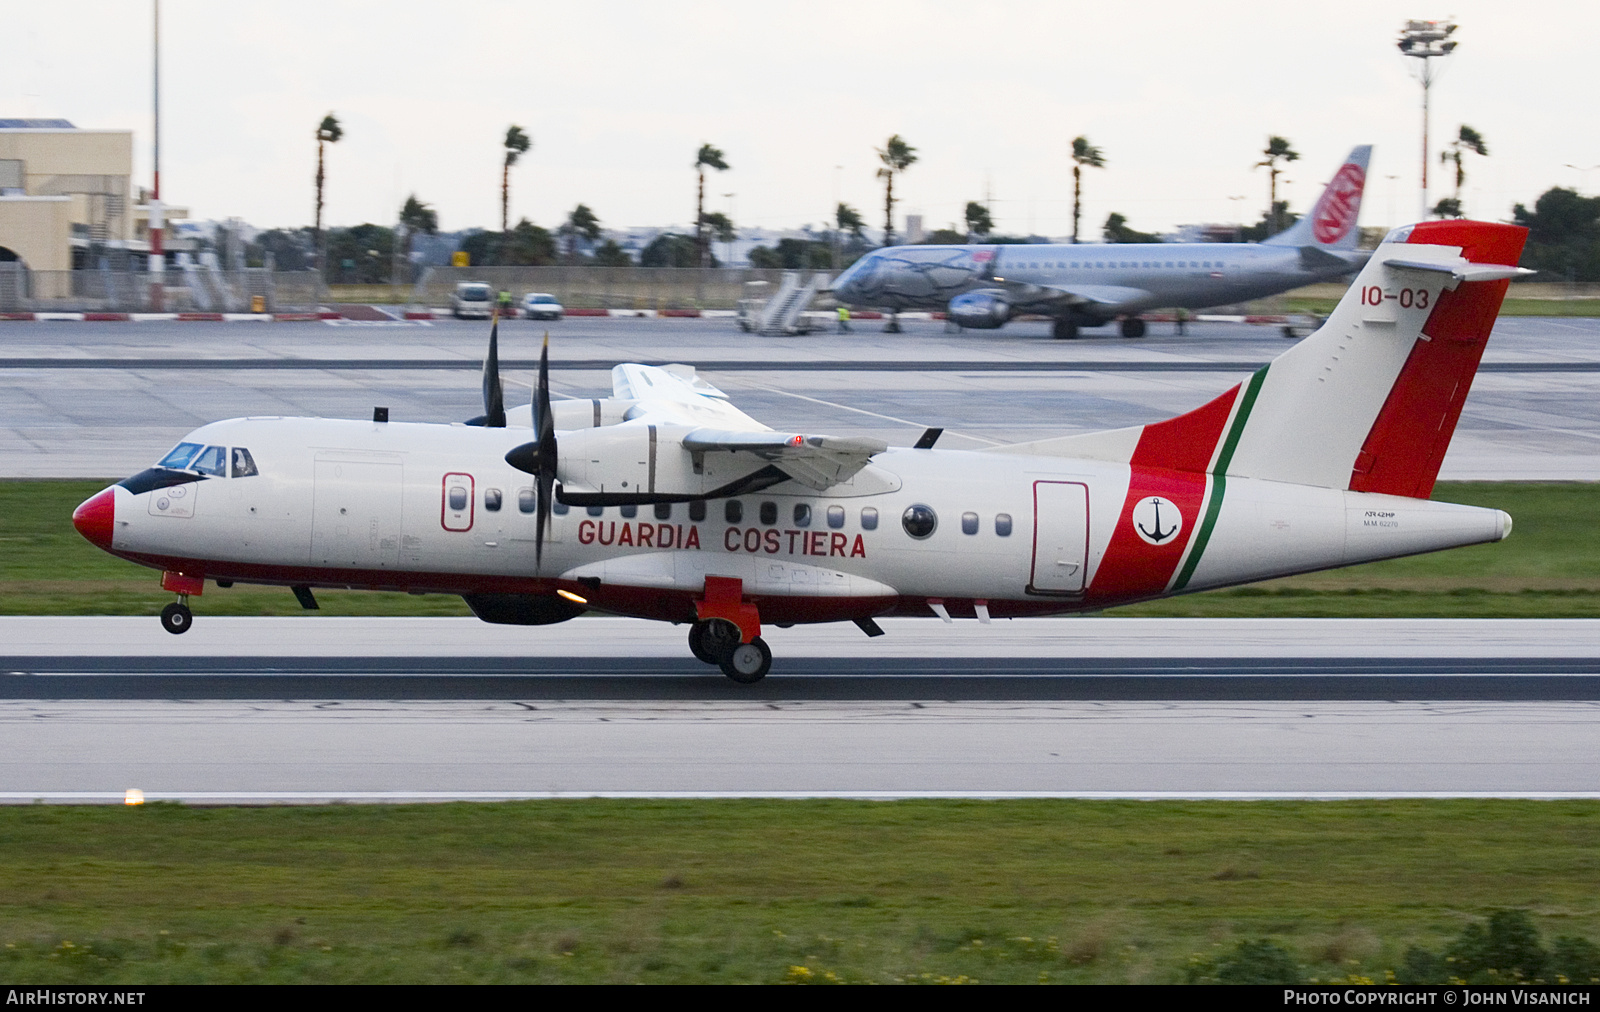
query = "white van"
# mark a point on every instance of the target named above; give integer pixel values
(472, 301)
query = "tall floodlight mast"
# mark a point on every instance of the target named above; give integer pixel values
(1426, 40)
(157, 223)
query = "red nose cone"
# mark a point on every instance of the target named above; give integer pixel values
(94, 518)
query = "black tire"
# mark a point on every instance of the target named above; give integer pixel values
(713, 639)
(1064, 330)
(697, 643)
(748, 663)
(176, 618)
(1133, 327)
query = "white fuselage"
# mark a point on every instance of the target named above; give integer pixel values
(411, 507)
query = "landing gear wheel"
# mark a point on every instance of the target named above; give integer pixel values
(1133, 327)
(176, 618)
(748, 663)
(711, 640)
(1064, 330)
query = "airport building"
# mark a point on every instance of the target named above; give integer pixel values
(67, 199)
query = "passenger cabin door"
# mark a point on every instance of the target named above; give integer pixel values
(1060, 537)
(356, 510)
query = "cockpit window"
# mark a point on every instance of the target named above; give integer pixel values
(180, 456)
(211, 460)
(244, 465)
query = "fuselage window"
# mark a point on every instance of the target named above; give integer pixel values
(492, 499)
(919, 521)
(557, 507)
(458, 497)
(629, 511)
(969, 523)
(597, 511)
(1002, 524)
(180, 456)
(212, 460)
(836, 516)
(697, 510)
(244, 465)
(802, 514)
(769, 513)
(733, 511)
(663, 511)
(527, 501)
(869, 518)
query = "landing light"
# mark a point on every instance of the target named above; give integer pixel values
(134, 796)
(569, 595)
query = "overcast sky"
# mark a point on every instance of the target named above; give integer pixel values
(618, 96)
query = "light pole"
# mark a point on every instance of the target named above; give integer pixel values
(1238, 225)
(1426, 40)
(157, 224)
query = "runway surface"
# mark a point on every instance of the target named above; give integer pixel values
(104, 400)
(435, 709)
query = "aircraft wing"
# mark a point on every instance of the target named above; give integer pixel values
(818, 462)
(1029, 295)
(676, 394)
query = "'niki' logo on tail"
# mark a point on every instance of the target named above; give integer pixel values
(1335, 215)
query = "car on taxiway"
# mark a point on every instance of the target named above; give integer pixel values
(541, 306)
(472, 300)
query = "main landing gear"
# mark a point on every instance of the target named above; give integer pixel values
(1064, 329)
(717, 642)
(1132, 326)
(727, 632)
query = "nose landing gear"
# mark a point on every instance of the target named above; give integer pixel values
(176, 618)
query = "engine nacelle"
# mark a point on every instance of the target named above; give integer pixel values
(635, 463)
(985, 309)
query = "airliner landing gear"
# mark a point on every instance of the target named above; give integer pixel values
(1133, 327)
(176, 618)
(1064, 329)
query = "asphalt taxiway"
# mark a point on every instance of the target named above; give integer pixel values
(105, 399)
(437, 709)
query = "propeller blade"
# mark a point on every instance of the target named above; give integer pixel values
(545, 452)
(494, 397)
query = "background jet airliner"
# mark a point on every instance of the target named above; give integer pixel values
(1087, 285)
(666, 502)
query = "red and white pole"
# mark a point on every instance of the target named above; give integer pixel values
(158, 251)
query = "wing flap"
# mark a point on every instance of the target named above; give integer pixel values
(817, 462)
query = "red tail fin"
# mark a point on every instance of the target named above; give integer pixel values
(1407, 442)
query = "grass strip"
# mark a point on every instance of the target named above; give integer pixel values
(769, 891)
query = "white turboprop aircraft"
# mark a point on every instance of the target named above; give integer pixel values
(665, 502)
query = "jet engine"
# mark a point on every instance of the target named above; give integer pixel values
(985, 309)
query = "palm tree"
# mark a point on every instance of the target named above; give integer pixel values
(415, 216)
(979, 222)
(1277, 148)
(1084, 155)
(896, 156)
(581, 222)
(1467, 139)
(516, 144)
(709, 158)
(328, 132)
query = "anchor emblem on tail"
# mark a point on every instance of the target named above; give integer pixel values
(1156, 520)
